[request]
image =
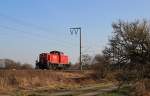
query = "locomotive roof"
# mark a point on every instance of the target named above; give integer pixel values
(57, 52)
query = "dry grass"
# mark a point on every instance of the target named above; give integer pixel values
(141, 88)
(11, 80)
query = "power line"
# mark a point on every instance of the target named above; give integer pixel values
(20, 22)
(14, 29)
(35, 35)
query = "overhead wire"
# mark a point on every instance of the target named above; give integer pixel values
(29, 34)
(20, 22)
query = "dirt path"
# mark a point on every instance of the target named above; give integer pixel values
(87, 91)
(98, 92)
(90, 90)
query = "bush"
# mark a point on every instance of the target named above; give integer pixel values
(100, 66)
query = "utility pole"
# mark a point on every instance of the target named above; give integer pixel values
(76, 30)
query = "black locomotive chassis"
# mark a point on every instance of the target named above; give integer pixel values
(51, 66)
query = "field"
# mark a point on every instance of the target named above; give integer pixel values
(51, 83)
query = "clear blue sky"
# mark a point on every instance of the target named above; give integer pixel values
(29, 27)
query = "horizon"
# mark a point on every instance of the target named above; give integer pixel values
(31, 27)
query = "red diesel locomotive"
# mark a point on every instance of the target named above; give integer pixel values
(53, 60)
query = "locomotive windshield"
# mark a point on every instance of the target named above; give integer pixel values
(56, 52)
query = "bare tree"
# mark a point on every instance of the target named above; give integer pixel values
(100, 65)
(10, 64)
(129, 47)
(26, 66)
(86, 61)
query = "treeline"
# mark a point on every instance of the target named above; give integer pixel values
(127, 55)
(128, 50)
(11, 64)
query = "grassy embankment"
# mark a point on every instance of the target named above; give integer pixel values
(27, 80)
